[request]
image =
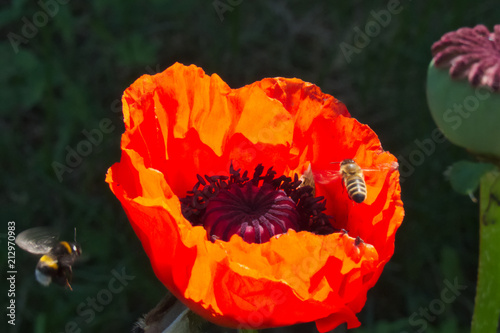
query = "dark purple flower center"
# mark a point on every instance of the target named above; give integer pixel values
(472, 53)
(255, 209)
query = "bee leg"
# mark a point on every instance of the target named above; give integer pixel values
(68, 274)
(69, 286)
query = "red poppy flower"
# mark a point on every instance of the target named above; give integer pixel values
(189, 138)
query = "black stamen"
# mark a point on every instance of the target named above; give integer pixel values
(262, 206)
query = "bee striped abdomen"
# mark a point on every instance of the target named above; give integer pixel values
(356, 189)
(66, 247)
(49, 261)
(354, 181)
(46, 269)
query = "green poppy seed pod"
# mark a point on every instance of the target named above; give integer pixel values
(463, 84)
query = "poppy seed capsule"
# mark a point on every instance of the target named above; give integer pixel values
(254, 213)
(468, 113)
(255, 209)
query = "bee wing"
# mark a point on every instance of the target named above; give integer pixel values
(326, 176)
(382, 166)
(37, 240)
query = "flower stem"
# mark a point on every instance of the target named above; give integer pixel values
(487, 308)
(241, 330)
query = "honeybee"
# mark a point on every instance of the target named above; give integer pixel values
(57, 257)
(354, 180)
(353, 177)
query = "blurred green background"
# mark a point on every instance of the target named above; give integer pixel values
(70, 73)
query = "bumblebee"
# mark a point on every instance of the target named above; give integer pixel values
(57, 257)
(354, 180)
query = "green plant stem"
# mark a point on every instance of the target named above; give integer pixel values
(241, 330)
(487, 307)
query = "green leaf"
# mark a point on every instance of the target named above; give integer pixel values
(464, 176)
